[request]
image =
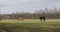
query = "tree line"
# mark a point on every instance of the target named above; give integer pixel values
(49, 14)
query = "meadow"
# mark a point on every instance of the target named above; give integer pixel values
(31, 25)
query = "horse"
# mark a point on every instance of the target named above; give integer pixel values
(20, 18)
(42, 18)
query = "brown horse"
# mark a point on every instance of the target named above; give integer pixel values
(20, 18)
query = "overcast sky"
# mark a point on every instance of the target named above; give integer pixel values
(12, 6)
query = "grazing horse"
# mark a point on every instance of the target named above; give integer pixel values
(42, 18)
(20, 18)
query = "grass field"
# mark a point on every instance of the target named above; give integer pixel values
(31, 25)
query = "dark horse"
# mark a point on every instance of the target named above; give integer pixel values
(42, 18)
(20, 18)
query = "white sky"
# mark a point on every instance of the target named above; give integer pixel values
(12, 6)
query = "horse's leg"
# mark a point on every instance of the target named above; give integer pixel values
(18, 19)
(44, 19)
(40, 19)
(23, 19)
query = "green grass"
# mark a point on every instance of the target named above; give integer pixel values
(31, 25)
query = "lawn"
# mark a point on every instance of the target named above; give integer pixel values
(31, 25)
